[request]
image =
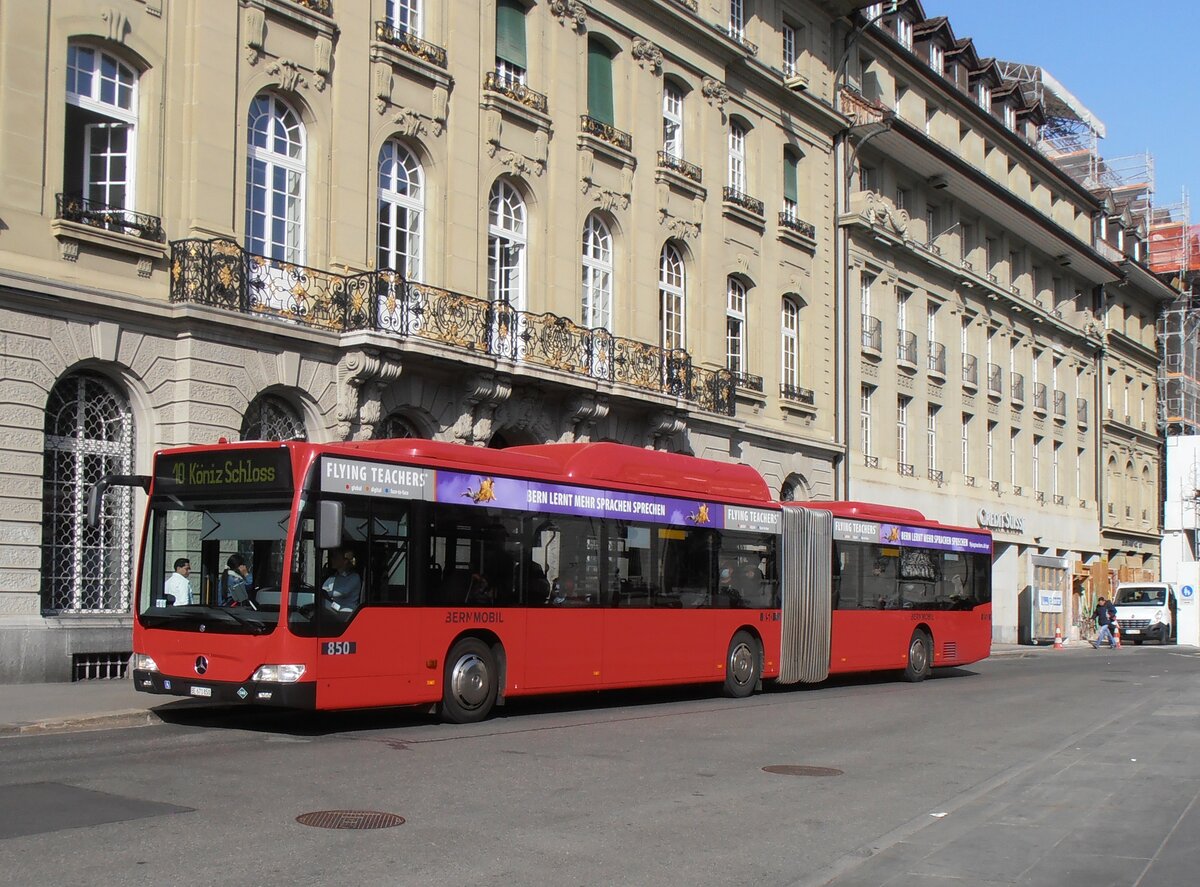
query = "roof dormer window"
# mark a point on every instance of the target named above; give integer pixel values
(937, 59)
(904, 31)
(983, 94)
(1010, 116)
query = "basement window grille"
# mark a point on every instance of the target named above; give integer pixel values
(99, 666)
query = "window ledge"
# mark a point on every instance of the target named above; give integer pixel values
(795, 238)
(597, 145)
(124, 243)
(498, 101)
(681, 183)
(382, 51)
(739, 213)
(317, 21)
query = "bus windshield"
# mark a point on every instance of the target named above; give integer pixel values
(214, 566)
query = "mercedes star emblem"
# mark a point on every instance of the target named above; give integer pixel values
(201, 664)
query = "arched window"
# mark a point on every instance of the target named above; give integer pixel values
(272, 418)
(789, 326)
(88, 434)
(395, 427)
(735, 326)
(597, 273)
(506, 245)
(672, 292)
(795, 488)
(275, 181)
(101, 129)
(401, 210)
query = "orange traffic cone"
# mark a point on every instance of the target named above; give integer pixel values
(1116, 633)
(1058, 642)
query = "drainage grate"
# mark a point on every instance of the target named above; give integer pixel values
(800, 770)
(99, 666)
(352, 819)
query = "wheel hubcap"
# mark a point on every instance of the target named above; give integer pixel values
(917, 655)
(469, 681)
(741, 664)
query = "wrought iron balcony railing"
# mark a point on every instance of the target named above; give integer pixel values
(906, 347)
(410, 43)
(605, 132)
(1017, 382)
(1040, 496)
(222, 274)
(1060, 499)
(325, 7)
(872, 333)
(797, 394)
(745, 201)
(935, 475)
(690, 4)
(969, 480)
(667, 160)
(905, 469)
(1018, 491)
(511, 87)
(747, 381)
(1039, 396)
(1060, 404)
(937, 358)
(994, 486)
(788, 219)
(1081, 410)
(995, 379)
(970, 369)
(77, 208)
(871, 461)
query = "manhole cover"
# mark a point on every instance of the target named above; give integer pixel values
(800, 770)
(356, 819)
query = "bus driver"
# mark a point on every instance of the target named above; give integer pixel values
(343, 589)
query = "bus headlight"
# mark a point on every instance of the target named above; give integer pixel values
(1158, 615)
(142, 662)
(278, 674)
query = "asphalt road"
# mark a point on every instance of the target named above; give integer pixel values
(1016, 770)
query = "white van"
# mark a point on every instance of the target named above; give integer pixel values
(1146, 611)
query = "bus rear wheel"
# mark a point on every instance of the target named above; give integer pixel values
(470, 684)
(743, 666)
(920, 657)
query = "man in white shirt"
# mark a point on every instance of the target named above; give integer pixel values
(179, 587)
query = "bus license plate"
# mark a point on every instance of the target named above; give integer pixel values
(201, 691)
(1133, 631)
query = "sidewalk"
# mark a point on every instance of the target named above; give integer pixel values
(104, 705)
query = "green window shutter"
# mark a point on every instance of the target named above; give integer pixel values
(791, 178)
(600, 85)
(510, 32)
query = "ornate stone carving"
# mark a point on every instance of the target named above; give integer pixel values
(483, 395)
(678, 227)
(663, 426)
(409, 122)
(117, 22)
(288, 73)
(581, 414)
(569, 11)
(322, 56)
(519, 164)
(441, 109)
(254, 23)
(361, 378)
(145, 266)
(647, 54)
(69, 250)
(381, 85)
(716, 93)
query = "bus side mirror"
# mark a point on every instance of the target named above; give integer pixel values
(329, 524)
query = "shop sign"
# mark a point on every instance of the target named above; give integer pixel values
(1001, 520)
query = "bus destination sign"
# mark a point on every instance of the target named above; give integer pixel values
(232, 471)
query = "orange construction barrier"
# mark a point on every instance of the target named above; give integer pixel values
(1058, 643)
(1116, 633)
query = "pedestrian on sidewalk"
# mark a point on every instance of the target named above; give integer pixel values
(1106, 615)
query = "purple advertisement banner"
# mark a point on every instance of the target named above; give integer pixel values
(528, 495)
(936, 538)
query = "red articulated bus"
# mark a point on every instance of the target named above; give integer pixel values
(415, 572)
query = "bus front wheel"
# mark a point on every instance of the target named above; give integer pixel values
(743, 666)
(470, 685)
(920, 657)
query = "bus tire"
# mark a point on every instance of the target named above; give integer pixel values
(920, 657)
(743, 665)
(470, 682)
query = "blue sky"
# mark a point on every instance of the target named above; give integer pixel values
(1133, 65)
